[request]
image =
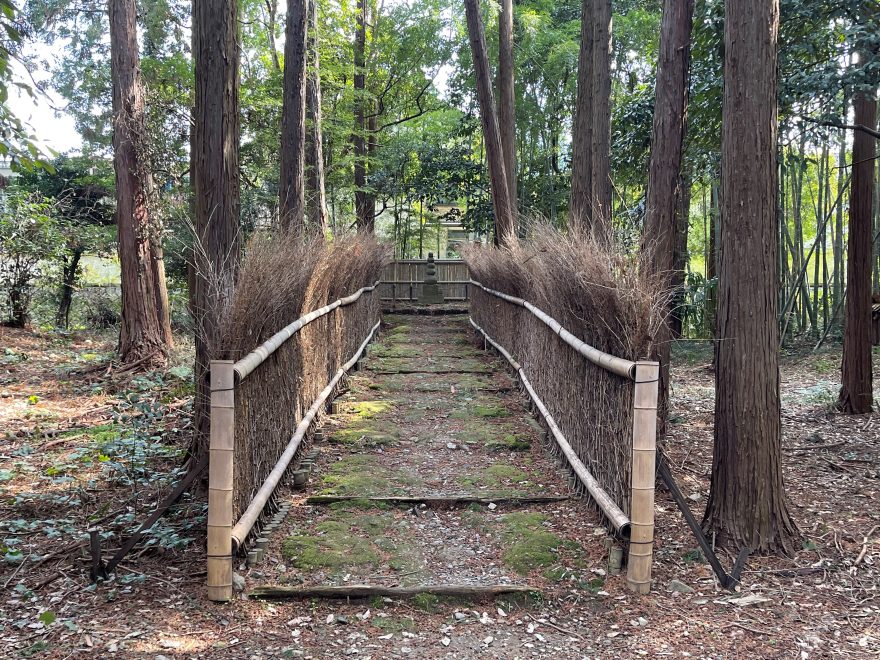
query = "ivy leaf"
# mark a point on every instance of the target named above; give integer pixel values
(47, 617)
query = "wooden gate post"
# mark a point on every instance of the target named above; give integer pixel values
(644, 453)
(220, 453)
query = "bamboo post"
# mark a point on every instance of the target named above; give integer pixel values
(220, 480)
(641, 541)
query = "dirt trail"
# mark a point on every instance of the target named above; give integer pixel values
(430, 415)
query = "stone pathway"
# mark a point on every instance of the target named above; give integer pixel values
(431, 415)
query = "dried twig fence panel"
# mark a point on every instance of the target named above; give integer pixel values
(641, 378)
(225, 535)
(402, 280)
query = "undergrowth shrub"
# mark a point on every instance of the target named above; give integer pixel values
(598, 294)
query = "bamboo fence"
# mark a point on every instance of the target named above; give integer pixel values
(225, 536)
(638, 527)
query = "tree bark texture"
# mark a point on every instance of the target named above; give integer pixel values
(601, 132)
(317, 196)
(506, 97)
(661, 233)
(501, 202)
(365, 220)
(856, 392)
(69, 273)
(579, 206)
(145, 333)
(215, 187)
(291, 188)
(747, 505)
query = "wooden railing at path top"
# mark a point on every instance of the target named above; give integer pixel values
(402, 280)
(638, 528)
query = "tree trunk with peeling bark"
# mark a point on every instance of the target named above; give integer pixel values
(856, 393)
(579, 206)
(291, 188)
(662, 214)
(364, 216)
(317, 197)
(506, 97)
(215, 187)
(601, 131)
(747, 504)
(145, 334)
(501, 202)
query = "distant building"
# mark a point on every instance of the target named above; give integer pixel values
(457, 235)
(6, 173)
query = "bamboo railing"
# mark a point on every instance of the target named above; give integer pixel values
(224, 535)
(638, 528)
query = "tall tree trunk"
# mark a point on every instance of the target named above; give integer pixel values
(506, 96)
(601, 133)
(145, 334)
(69, 274)
(215, 187)
(680, 253)
(580, 212)
(291, 188)
(361, 198)
(838, 219)
(856, 395)
(747, 505)
(504, 222)
(662, 230)
(712, 261)
(317, 197)
(272, 11)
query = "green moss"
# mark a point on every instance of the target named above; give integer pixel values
(509, 442)
(372, 434)
(366, 409)
(359, 505)
(528, 544)
(400, 329)
(427, 602)
(356, 475)
(333, 548)
(496, 477)
(363, 475)
(490, 411)
(394, 624)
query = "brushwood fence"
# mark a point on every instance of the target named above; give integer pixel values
(600, 409)
(402, 280)
(255, 402)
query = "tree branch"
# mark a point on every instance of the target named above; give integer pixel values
(850, 127)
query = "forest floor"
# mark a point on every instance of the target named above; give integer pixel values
(429, 415)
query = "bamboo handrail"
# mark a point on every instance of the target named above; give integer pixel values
(612, 363)
(615, 515)
(244, 525)
(256, 357)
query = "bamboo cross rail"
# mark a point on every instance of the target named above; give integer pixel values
(612, 363)
(639, 527)
(257, 356)
(249, 517)
(223, 537)
(616, 517)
